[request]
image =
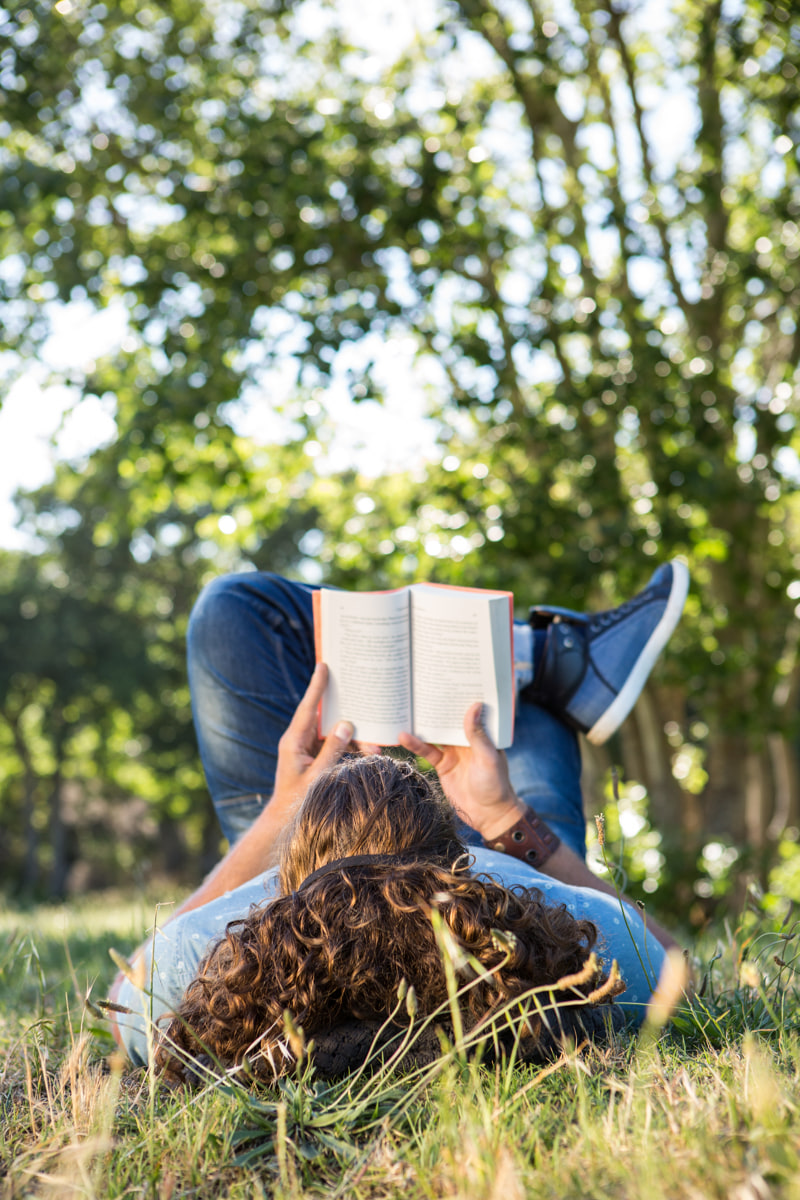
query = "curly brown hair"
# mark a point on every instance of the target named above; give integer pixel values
(338, 946)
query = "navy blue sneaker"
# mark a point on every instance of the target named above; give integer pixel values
(594, 665)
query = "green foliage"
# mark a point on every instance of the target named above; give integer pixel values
(784, 878)
(96, 723)
(583, 225)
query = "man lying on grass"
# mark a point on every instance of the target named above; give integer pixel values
(374, 861)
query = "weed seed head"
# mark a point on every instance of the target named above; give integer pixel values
(586, 974)
(295, 1035)
(672, 983)
(505, 940)
(749, 975)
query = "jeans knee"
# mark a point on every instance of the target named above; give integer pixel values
(221, 600)
(214, 604)
(218, 610)
(233, 609)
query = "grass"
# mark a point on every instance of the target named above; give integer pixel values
(707, 1106)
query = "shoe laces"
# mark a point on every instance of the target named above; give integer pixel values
(611, 616)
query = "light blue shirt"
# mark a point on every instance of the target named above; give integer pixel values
(173, 956)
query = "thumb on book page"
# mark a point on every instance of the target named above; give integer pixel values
(335, 744)
(475, 727)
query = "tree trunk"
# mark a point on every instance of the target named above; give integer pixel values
(173, 848)
(671, 808)
(58, 835)
(786, 785)
(757, 797)
(723, 804)
(30, 867)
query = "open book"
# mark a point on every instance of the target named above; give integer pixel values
(414, 659)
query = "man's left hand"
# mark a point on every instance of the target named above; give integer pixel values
(301, 754)
(474, 778)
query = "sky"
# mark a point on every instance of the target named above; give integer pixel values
(36, 426)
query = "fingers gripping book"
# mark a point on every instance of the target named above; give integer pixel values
(414, 659)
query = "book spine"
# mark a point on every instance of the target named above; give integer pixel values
(316, 605)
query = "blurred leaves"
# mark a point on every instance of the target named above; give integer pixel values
(584, 223)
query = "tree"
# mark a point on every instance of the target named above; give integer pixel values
(605, 318)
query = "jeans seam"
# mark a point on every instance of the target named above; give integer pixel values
(241, 798)
(281, 659)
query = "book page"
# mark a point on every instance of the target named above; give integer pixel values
(365, 640)
(456, 636)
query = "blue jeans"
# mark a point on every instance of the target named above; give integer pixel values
(250, 648)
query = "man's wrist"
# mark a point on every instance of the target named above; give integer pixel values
(528, 838)
(500, 817)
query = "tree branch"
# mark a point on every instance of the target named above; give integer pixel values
(489, 281)
(647, 162)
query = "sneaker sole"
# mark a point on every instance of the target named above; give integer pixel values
(625, 699)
